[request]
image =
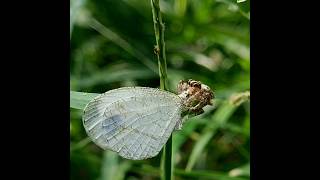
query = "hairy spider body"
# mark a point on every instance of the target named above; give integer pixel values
(195, 95)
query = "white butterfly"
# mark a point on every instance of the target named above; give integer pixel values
(136, 122)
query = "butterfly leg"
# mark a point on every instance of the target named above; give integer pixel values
(178, 126)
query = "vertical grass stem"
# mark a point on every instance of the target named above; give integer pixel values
(159, 49)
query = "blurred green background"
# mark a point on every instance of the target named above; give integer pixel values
(112, 45)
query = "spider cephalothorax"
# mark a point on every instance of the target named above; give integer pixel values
(195, 95)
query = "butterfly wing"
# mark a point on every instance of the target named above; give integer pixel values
(134, 121)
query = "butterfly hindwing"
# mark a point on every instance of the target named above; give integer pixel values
(135, 121)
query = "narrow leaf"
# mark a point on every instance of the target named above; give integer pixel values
(220, 117)
(79, 100)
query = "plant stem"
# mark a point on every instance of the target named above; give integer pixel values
(166, 160)
(160, 47)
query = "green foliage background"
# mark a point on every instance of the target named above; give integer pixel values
(112, 45)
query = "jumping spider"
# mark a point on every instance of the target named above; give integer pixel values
(195, 95)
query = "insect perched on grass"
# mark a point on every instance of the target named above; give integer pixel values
(136, 122)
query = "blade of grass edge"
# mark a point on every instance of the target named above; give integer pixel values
(79, 100)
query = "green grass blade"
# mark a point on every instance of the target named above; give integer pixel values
(112, 168)
(80, 145)
(181, 136)
(75, 6)
(220, 117)
(160, 51)
(79, 100)
(114, 74)
(240, 171)
(234, 7)
(115, 38)
(216, 175)
(109, 165)
(207, 175)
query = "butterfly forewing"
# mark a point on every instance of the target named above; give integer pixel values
(135, 122)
